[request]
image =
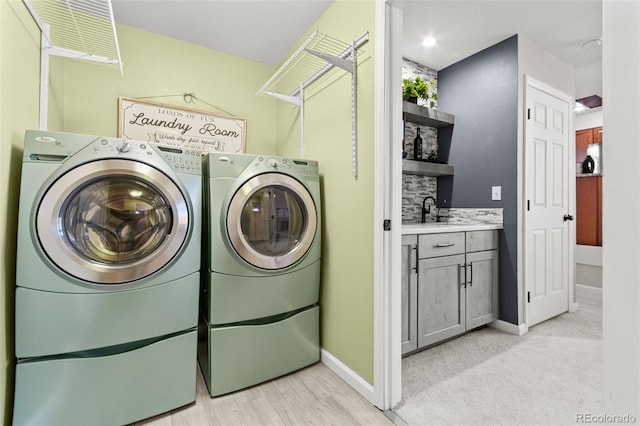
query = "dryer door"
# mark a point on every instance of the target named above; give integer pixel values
(272, 221)
(112, 221)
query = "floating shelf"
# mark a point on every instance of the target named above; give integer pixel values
(426, 116)
(424, 168)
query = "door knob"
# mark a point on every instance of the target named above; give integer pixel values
(568, 217)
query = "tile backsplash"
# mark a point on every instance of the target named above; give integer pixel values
(416, 188)
(462, 215)
(453, 215)
(429, 137)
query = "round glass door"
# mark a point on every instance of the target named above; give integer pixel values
(112, 221)
(116, 220)
(272, 221)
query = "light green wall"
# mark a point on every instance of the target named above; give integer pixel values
(157, 66)
(347, 255)
(83, 98)
(19, 85)
(55, 115)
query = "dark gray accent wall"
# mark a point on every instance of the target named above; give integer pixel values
(482, 92)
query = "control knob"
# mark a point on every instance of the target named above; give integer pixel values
(273, 163)
(124, 146)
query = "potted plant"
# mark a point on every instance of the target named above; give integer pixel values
(417, 88)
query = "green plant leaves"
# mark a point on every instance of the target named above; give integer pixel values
(419, 88)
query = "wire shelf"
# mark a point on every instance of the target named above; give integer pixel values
(306, 67)
(316, 60)
(81, 29)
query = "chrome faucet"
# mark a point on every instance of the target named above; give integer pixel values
(426, 208)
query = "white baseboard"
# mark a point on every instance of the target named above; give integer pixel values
(507, 327)
(352, 378)
(590, 289)
(574, 307)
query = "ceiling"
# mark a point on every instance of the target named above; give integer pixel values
(265, 30)
(260, 30)
(464, 27)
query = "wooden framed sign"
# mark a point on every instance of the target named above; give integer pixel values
(170, 125)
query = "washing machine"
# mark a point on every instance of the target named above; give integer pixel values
(107, 279)
(261, 269)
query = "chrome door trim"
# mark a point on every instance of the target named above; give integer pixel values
(48, 223)
(234, 226)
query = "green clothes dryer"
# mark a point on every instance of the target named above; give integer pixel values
(261, 269)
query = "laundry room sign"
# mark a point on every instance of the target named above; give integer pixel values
(167, 124)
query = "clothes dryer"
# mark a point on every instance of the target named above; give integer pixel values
(107, 279)
(261, 269)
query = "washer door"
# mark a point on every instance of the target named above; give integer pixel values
(272, 221)
(112, 221)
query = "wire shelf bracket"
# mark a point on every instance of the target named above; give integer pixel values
(76, 29)
(314, 60)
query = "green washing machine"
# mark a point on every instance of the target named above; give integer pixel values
(107, 279)
(261, 269)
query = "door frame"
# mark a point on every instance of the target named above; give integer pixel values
(530, 82)
(387, 356)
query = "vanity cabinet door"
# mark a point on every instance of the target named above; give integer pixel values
(482, 288)
(409, 293)
(441, 303)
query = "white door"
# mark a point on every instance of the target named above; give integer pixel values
(547, 197)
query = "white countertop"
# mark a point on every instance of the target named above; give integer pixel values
(438, 227)
(581, 175)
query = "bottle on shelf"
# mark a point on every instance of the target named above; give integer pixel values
(588, 165)
(417, 146)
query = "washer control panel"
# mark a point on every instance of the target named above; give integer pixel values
(180, 159)
(55, 147)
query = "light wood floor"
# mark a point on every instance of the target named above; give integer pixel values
(312, 396)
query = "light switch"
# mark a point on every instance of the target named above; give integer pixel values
(496, 193)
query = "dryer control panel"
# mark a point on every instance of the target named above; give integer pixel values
(308, 168)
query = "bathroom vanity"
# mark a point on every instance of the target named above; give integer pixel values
(449, 281)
